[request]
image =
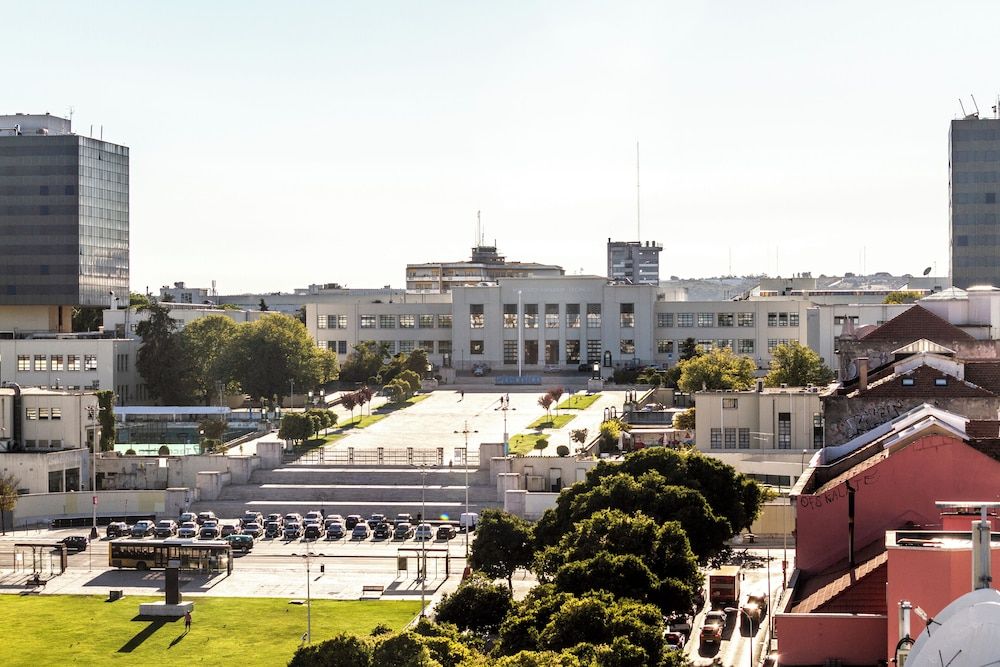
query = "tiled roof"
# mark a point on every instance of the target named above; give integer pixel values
(983, 429)
(845, 590)
(916, 323)
(923, 387)
(986, 374)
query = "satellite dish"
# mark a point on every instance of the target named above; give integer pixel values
(927, 270)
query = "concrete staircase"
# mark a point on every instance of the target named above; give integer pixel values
(357, 490)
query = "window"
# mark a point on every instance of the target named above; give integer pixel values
(726, 343)
(818, 431)
(321, 322)
(593, 351)
(41, 362)
(626, 346)
(730, 438)
(908, 382)
(31, 413)
(744, 319)
(573, 352)
(407, 321)
(593, 316)
(510, 316)
(572, 316)
(782, 319)
(685, 319)
(476, 347)
(715, 438)
(390, 346)
(793, 319)
(444, 321)
(772, 319)
(626, 315)
(664, 320)
(426, 322)
(730, 403)
(43, 413)
(664, 346)
(744, 438)
(427, 346)
(552, 316)
(552, 352)
(477, 318)
(775, 342)
(842, 319)
(510, 351)
(341, 347)
(56, 362)
(706, 320)
(90, 362)
(24, 362)
(444, 347)
(72, 362)
(784, 430)
(367, 321)
(406, 346)
(727, 319)
(745, 346)
(531, 316)
(991, 198)
(704, 345)
(940, 382)
(337, 321)
(386, 321)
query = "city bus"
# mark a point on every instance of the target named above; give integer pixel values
(206, 556)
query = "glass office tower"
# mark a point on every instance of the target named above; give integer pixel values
(974, 183)
(64, 215)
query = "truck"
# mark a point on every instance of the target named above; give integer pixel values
(724, 587)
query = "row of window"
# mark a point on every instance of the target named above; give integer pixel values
(551, 350)
(739, 438)
(58, 363)
(393, 346)
(386, 321)
(705, 320)
(32, 414)
(974, 198)
(975, 177)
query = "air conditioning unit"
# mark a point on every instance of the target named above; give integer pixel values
(534, 482)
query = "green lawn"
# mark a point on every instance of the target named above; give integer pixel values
(380, 413)
(361, 421)
(551, 421)
(576, 402)
(87, 630)
(522, 443)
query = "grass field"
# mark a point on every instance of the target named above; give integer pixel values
(576, 402)
(522, 443)
(551, 421)
(87, 630)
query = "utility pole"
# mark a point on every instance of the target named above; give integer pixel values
(465, 431)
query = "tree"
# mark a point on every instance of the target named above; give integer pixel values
(269, 354)
(562, 450)
(212, 428)
(504, 542)
(205, 344)
(688, 349)
(417, 362)
(718, 369)
(8, 497)
(106, 418)
(579, 435)
(329, 368)
(87, 318)
(342, 651)
(364, 361)
(478, 604)
(161, 360)
(556, 393)
(138, 300)
(545, 401)
(796, 365)
(321, 419)
(295, 426)
(405, 649)
(262, 306)
(903, 296)
(685, 420)
(349, 401)
(611, 431)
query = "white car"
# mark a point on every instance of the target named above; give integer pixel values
(423, 532)
(188, 529)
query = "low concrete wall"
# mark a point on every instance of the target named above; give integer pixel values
(816, 639)
(776, 518)
(42, 508)
(32, 468)
(530, 506)
(210, 484)
(161, 472)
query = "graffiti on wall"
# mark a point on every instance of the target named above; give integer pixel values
(820, 500)
(864, 419)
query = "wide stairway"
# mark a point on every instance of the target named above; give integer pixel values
(340, 489)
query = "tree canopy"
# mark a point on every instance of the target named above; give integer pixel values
(161, 360)
(204, 343)
(796, 365)
(503, 543)
(267, 355)
(718, 369)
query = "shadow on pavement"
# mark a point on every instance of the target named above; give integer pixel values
(144, 634)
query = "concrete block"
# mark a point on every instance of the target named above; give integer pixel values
(164, 609)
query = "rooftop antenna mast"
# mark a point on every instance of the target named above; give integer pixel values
(962, 107)
(479, 228)
(974, 103)
(638, 234)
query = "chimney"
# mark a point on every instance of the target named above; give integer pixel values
(862, 373)
(981, 542)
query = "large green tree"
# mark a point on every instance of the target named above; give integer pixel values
(267, 355)
(364, 361)
(796, 365)
(478, 604)
(718, 369)
(161, 360)
(205, 343)
(504, 542)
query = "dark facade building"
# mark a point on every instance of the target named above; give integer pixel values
(634, 261)
(974, 183)
(64, 215)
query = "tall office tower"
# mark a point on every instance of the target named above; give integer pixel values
(974, 183)
(634, 262)
(64, 218)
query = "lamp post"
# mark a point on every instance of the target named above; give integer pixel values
(465, 431)
(422, 562)
(91, 411)
(730, 610)
(309, 597)
(505, 406)
(291, 392)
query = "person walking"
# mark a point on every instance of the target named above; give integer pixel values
(187, 621)
(461, 394)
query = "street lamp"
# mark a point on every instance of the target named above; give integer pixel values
(91, 411)
(291, 393)
(465, 431)
(422, 568)
(309, 598)
(505, 406)
(730, 610)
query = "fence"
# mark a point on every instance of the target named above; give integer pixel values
(382, 456)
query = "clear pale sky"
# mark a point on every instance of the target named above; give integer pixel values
(274, 145)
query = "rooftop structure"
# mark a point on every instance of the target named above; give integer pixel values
(487, 265)
(973, 182)
(634, 262)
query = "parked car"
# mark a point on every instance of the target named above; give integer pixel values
(165, 528)
(206, 516)
(188, 529)
(252, 517)
(335, 530)
(75, 543)
(715, 625)
(468, 521)
(333, 517)
(187, 516)
(230, 529)
(273, 517)
(403, 518)
(423, 532)
(375, 520)
(679, 622)
(253, 529)
(360, 531)
(403, 530)
(240, 542)
(382, 531)
(210, 531)
(353, 520)
(118, 529)
(293, 517)
(143, 528)
(675, 639)
(313, 517)
(445, 531)
(293, 530)
(312, 531)
(272, 529)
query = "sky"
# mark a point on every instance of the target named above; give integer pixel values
(277, 145)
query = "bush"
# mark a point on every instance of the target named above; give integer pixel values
(163, 450)
(478, 605)
(562, 450)
(342, 651)
(130, 452)
(541, 444)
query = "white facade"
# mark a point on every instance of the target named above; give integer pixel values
(47, 419)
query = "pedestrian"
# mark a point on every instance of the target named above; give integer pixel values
(461, 394)
(187, 621)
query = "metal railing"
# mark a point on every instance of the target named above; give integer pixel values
(381, 456)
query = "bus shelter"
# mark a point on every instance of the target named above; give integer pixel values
(421, 556)
(42, 559)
